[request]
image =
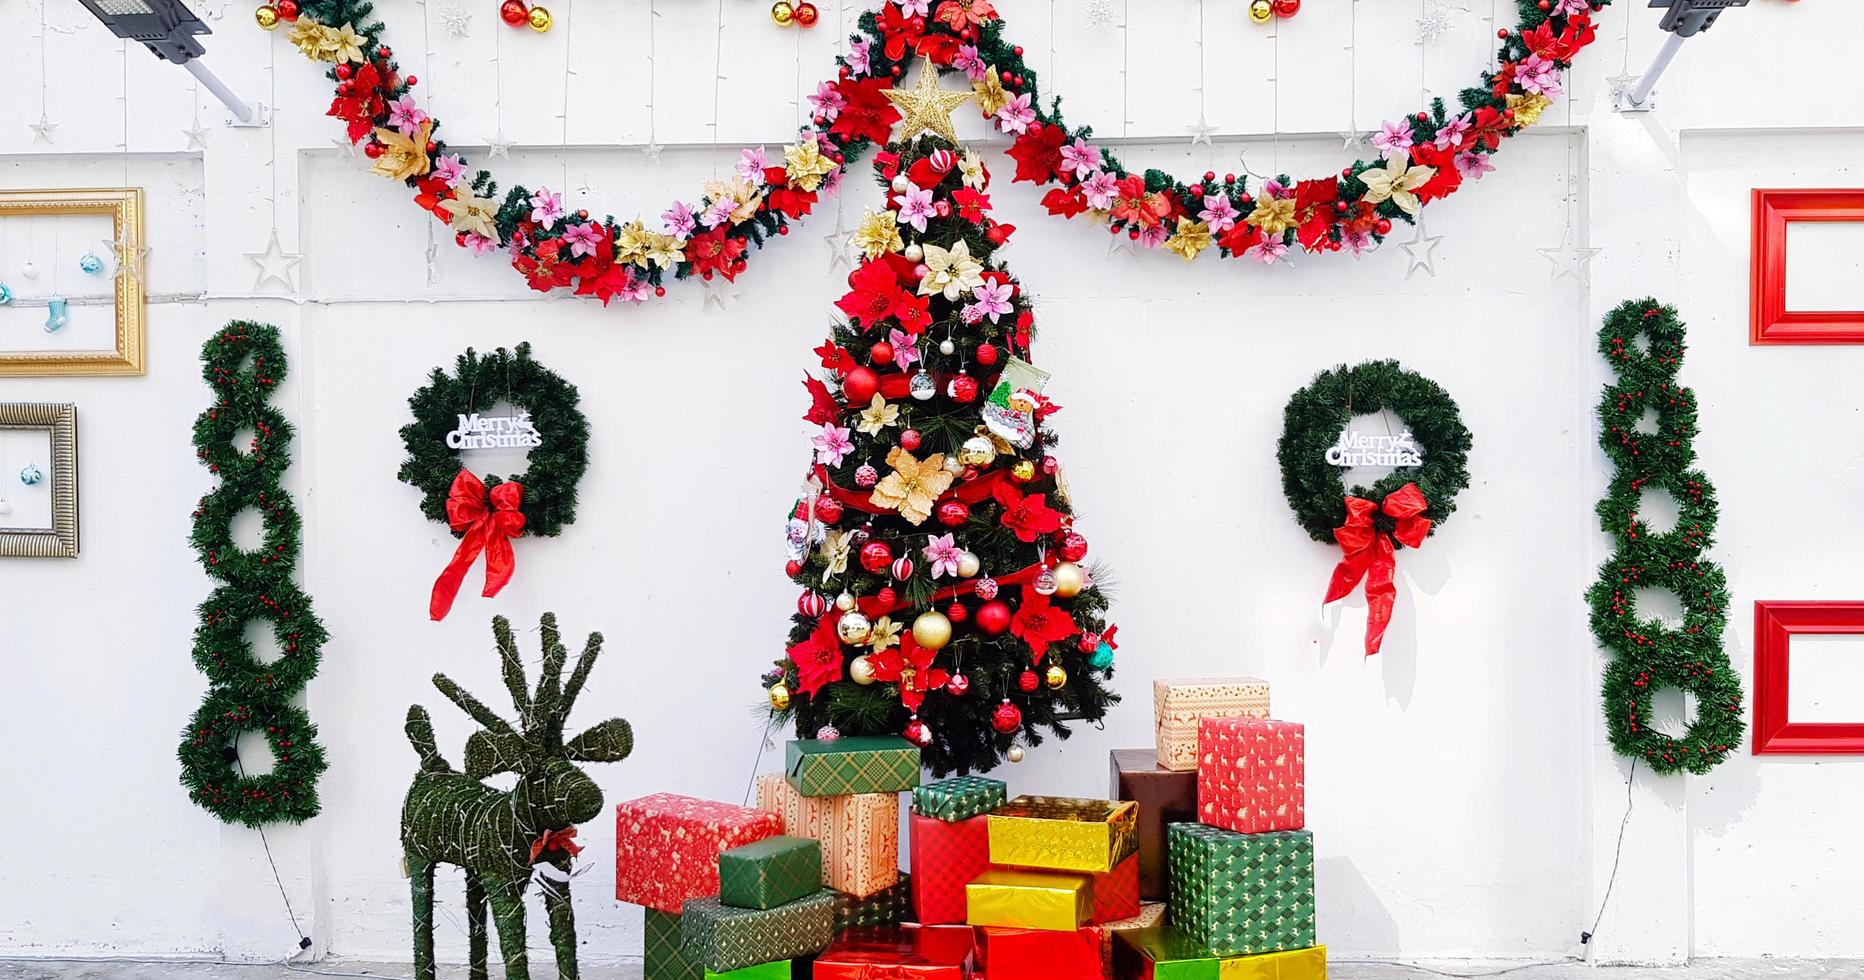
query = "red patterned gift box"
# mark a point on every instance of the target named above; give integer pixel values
(1039, 954)
(945, 856)
(667, 846)
(860, 834)
(1116, 892)
(900, 953)
(1251, 775)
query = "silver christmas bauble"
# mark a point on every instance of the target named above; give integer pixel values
(901, 183)
(854, 629)
(913, 252)
(947, 348)
(922, 386)
(968, 565)
(844, 602)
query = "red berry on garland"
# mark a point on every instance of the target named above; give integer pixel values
(812, 604)
(986, 354)
(1073, 547)
(918, 732)
(881, 352)
(514, 12)
(860, 385)
(993, 617)
(957, 685)
(413, 81)
(1287, 8)
(287, 9)
(1383, 227)
(372, 150)
(952, 513)
(909, 439)
(806, 14)
(963, 389)
(876, 556)
(343, 71)
(827, 510)
(1006, 718)
(1027, 681)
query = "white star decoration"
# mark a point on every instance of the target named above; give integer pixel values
(1355, 140)
(1421, 250)
(1569, 259)
(344, 147)
(720, 293)
(1200, 133)
(1121, 243)
(497, 146)
(275, 265)
(128, 257)
(42, 130)
(197, 136)
(838, 257)
(651, 151)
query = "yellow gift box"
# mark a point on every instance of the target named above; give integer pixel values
(1051, 900)
(1063, 834)
(860, 834)
(1293, 964)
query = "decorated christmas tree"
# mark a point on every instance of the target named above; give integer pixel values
(943, 595)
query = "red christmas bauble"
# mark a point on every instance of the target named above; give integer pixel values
(1286, 8)
(812, 604)
(941, 161)
(957, 613)
(918, 732)
(792, 568)
(1073, 547)
(1027, 681)
(1088, 642)
(372, 150)
(876, 556)
(806, 14)
(514, 12)
(952, 513)
(963, 389)
(881, 352)
(287, 9)
(986, 354)
(957, 685)
(1006, 718)
(902, 568)
(909, 440)
(827, 510)
(860, 385)
(993, 617)
(887, 597)
(1383, 226)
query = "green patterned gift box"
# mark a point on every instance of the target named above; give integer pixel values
(959, 798)
(664, 959)
(887, 907)
(771, 872)
(850, 765)
(719, 938)
(1242, 893)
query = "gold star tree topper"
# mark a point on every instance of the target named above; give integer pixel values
(927, 107)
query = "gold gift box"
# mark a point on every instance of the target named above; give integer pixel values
(1052, 900)
(1177, 705)
(1062, 834)
(1293, 964)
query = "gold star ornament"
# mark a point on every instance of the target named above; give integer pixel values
(927, 107)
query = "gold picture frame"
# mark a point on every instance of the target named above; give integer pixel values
(61, 540)
(124, 205)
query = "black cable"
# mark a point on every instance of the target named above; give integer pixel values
(1585, 938)
(304, 941)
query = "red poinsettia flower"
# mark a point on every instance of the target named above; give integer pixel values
(887, 163)
(965, 13)
(997, 232)
(1065, 201)
(942, 49)
(1447, 178)
(835, 357)
(1563, 45)
(1029, 517)
(1133, 204)
(1038, 623)
(868, 115)
(910, 666)
(1025, 324)
(822, 406)
(715, 251)
(607, 283)
(430, 191)
(790, 200)
(1239, 238)
(900, 31)
(1038, 153)
(914, 313)
(543, 268)
(817, 658)
(874, 294)
(971, 204)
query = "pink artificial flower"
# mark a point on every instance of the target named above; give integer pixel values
(1154, 236)
(1079, 157)
(859, 61)
(1538, 76)
(1275, 188)
(1570, 7)
(450, 168)
(915, 8)
(751, 164)
(1016, 115)
(637, 290)
(404, 115)
(993, 299)
(479, 243)
(943, 552)
(582, 238)
(1100, 189)
(717, 213)
(546, 208)
(1453, 133)
(1356, 242)
(679, 220)
(831, 444)
(1473, 165)
(970, 62)
(1268, 251)
(915, 207)
(1392, 137)
(905, 348)
(1219, 213)
(828, 101)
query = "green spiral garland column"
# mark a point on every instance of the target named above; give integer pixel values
(1648, 654)
(244, 364)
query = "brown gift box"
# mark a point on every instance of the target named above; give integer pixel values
(1164, 797)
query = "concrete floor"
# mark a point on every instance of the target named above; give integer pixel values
(124, 969)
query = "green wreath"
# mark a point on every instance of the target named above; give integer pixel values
(479, 382)
(212, 536)
(223, 654)
(210, 768)
(1645, 341)
(1318, 413)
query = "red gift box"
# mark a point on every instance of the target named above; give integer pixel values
(667, 846)
(1039, 954)
(917, 952)
(1251, 774)
(946, 856)
(1116, 892)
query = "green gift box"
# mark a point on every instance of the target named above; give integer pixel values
(1242, 893)
(887, 907)
(855, 764)
(720, 938)
(664, 960)
(959, 798)
(771, 872)
(776, 970)
(1161, 953)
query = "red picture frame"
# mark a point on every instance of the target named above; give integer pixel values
(1775, 625)
(1772, 322)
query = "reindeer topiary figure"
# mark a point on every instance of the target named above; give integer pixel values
(496, 836)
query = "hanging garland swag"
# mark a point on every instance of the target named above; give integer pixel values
(486, 513)
(1401, 510)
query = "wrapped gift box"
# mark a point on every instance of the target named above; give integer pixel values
(887, 907)
(720, 938)
(1116, 892)
(910, 952)
(1178, 705)
(664, 959)
(770, 872)
(959, 798)
(1293, 964)
(854, 764)
(1056, 900)
(777, 970)
(667, 846)
(1165, 796)
(945, 857)
(1063, 834)
(1251, 775)
(1151, 914)
(859, 834)
(1242, 893)
(1039, 954)
(1161, 953)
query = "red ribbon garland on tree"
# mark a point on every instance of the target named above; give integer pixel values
(1368, 554)
(488, 529)
(970, 491)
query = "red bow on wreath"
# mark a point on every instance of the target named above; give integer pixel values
(555, 840)
(1368, 554)
(490, 521)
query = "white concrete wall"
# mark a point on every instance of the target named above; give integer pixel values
(1462, 799)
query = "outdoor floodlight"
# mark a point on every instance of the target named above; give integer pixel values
(168, 29)
(1683, 19)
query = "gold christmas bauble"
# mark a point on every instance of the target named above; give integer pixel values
(1015, 753)
(932, 630)
(779, 696)
(853, 629)
(1055, 677)
(968, 565)
(267, 16)
(782, 13)
(844, 602)
(861, 670)
(1260, 11)
(977, 451)
(1069, 580)
(1023, 471)
(540, 19)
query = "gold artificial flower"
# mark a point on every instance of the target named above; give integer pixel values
(878, 415)
(665, 251)
(806, 164)
(403, 156)
(344, 44)
(472, 214)
(1396, 182)
(834, 550)
(877, 235)
(990, 93)
(311, 39)
(950, 270)
(913, 486)
(883, 634)
(743, 197)
(971, 170)
(1191, 238)
(1527, 109)
(1273, 215)
(634, 243)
